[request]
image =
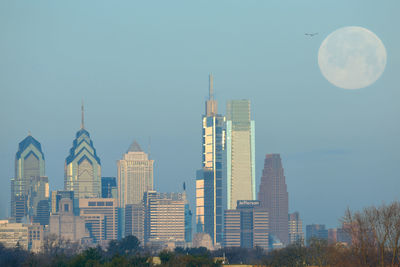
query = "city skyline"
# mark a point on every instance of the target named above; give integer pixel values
(326, 135)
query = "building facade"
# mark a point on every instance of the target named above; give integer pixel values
(210, 195)
(316, 231)
(240, 153)
(274, 198)
(246, 226)
(56, 196)
(135, 176)
(29, 162)
(83, 167)
(134, 221)
(37, 199)
(164, 217)
(109, 187)
(296, 233)
(101, 218)
(66, 225)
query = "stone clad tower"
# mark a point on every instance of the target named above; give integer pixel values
(274, 197)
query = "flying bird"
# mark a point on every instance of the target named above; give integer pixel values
(311, 34)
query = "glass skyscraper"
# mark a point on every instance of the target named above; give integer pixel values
(29, 162)
(83, 167)
(209, 180)
(240, 153)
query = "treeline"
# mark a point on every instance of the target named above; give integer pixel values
(374, 231)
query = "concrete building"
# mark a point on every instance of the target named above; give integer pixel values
(29, 162)
(101, 218)
(164, 217)
(210, 195)
(134, 221)
(274, 198)
(316, 231)
(65, 224)
(26, 236)
(240, 153)
(202, 240)
(246, 226)
(83, 167)
(296, 233)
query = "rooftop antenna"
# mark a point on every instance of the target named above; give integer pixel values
(83, 117)
(211, 87)
(148, 149)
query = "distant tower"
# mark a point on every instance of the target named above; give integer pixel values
(209, 180)
(296, 233)
(274, 198)
(240, 150)
(135, 176)
(188, 217)
(29, 162)
(82, 166)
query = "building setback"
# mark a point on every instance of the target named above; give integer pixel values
(274, 198)
(240, 153)
(82, 166)
(246, 226)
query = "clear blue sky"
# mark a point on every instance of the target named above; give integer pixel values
(142, 69)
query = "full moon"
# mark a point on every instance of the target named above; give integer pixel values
(352, 57)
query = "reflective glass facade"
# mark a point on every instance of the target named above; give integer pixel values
(209, 181)
(240, 153)
(29, 162)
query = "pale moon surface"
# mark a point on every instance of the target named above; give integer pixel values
(352, 57)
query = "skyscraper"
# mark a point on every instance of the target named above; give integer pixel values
(83, 167)
(209, 180)
(38, 193)
(135, 176)
(316, 231)
(274, 198)
(240, 153)
(29, 162)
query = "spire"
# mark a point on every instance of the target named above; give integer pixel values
(29, 133)
(83, 117)
(211, 87)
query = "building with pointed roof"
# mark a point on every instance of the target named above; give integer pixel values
(135, 175)
(29, 162)
(83, 166)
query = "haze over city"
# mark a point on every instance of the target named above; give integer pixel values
(142, 71)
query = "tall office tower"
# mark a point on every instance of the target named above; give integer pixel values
(135, 176)
(56, 196)
(101, 218)
(246, 226)
(83, 167)
(38, 192)
(29, 162)
(295, 228)
(209, 181)
(274, 198)
(109, 187)
(316, 231)
(164, 217)
(240, 153)
(134, 221)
